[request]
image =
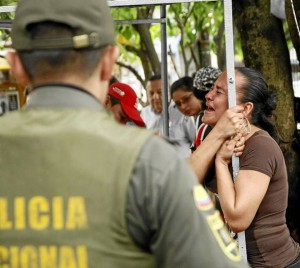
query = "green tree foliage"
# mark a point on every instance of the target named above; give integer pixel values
(6, 18)
(196, 23)
(193, 22)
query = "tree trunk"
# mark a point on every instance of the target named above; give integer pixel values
(293, 216)
(204, 49)
(220, 44)
(265, 50)
(147, 43)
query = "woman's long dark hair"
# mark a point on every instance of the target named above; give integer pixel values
(257, 91)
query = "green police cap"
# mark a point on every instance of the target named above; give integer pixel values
(90, 20)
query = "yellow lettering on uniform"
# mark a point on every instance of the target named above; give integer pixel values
(29, 257)
(48, 256)
(20, 213)
(66, 257)
(4, 257)
(5, 223)
(76, 213)
(14, 257)
(82, 257)
(58, 216)
(38, 213)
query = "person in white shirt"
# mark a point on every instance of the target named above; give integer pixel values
(182, 129)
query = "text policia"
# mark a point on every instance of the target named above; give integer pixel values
(38, 214)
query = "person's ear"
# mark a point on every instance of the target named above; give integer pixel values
(248, 108)
(108, 59)
(17, 68)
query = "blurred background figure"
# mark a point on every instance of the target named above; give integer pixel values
(182, 93)
(122, 101)
(182, 128)
(204, 79)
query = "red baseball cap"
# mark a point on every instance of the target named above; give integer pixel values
(128, 100)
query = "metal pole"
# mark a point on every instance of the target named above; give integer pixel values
(164, 71)
(232, 97)
(295, 17)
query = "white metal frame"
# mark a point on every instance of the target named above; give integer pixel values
(123, 3)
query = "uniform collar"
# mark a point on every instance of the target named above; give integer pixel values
(62, 96)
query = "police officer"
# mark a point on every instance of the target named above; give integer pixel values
(77, 188)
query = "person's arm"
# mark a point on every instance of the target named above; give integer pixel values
(241, 199)
(228, 125)
(163, 218)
